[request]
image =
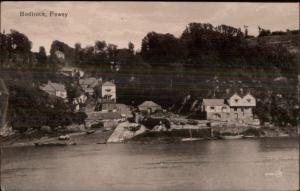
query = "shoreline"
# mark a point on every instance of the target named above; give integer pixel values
(101, 136)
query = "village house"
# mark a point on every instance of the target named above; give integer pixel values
(109, 91)
(149, 106)
(4, 94)
(55, 89)
(108, 97)
(216, 109)
(71, 72)
(88, 85)
(235, 109)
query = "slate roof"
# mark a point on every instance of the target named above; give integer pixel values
(89, 81)
(108, 83)
(53, 86)
(149, 104)
(213, 102)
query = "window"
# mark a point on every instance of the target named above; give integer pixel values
(235, 109)
(236, 100)
(212, 108)
(248, 100)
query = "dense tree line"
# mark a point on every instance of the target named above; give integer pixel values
(32, 108)
(201, 45)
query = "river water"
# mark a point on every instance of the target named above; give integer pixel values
(248, 164)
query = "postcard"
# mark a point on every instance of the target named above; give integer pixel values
(134, 96)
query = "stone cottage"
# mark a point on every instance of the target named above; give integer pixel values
(235, 109)
(216, 109)
(55, 89)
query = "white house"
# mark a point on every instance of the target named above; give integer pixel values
(216, 109)
(108, 91)
(235, 109)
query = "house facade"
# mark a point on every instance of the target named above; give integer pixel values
(216, 109)
(235, 109)
(241, 108)
(108, 91)
(55, 89)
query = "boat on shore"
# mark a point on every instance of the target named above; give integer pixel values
(50, 144)
(191, 139)
(230, 137)
(249, 136)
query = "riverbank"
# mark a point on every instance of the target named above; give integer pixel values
(132, 132)
(98, 136)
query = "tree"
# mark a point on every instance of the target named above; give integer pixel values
(61, 48)
(131, 47)
(41, 56)
(78, 53)
(19, 42)
(161, 48)
(263, 32)
(100, 46)
(101, 52)
(112, 52)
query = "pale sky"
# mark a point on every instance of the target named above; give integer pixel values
(121, 22)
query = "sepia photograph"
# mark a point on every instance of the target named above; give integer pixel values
(149, 96)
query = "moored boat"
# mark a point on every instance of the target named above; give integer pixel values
(229, 137)
(191, 139)
(50, 144)
(249, 136)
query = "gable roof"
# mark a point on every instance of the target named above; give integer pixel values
(108, 83)
(149, 104)
(213, 102)
(50, 86)
(88, 81)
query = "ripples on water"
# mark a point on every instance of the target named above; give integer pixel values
(205, 165)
